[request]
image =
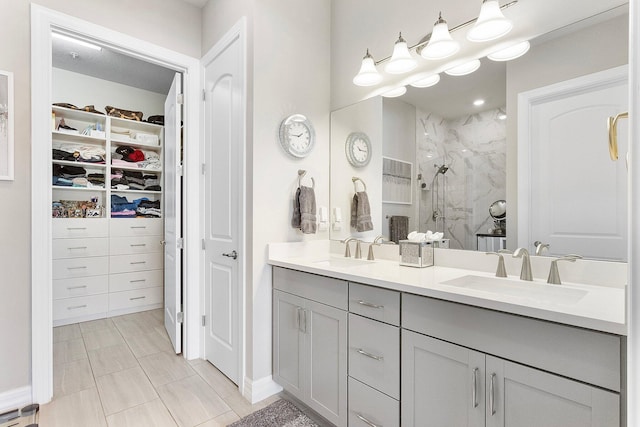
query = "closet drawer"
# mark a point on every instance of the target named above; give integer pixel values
(374, 354)
(135, 298)
(136, 262)
(69, 228)
(79, 248)
(79, 306)
(135, 245)
(67, 288)
(137, 280)
(129, 227)
(375, 303)
(376, 408)
(80, 267)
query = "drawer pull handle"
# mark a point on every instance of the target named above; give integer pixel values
(492, 389)
(372, 356)
(135, 298)
(474, 390)
(76, 228)
(77, 247)
(137, 281)
(366, 421)
(76, 287)
(138, 226)
(76, 268)
(138, 244)
(369, 304)
(138, 262)
(75, 307)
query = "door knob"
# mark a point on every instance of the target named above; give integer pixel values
(232, 254)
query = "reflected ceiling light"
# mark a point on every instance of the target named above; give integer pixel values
(394, 93)
(478, 102)
(441, 45)
(502, 116)
(426, 81)
(368, 74)
(511, 52)
(491, 23)
(76, 41)
(401, 60)
(464, 69)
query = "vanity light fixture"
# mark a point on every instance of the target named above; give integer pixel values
(76, 41)
(511, 52)
(423, 81)
(368, 74)
(401, 60)
(394, 93)
(464, 69)
(478, 102)
(491, 23)
(441, 45)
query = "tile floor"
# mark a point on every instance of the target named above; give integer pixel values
(122, 372)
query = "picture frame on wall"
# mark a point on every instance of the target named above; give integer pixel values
(6, 125)
(397, 181)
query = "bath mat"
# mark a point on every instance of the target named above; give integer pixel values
(281, 413)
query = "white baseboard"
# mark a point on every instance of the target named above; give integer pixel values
(15, 399)
(255, 391)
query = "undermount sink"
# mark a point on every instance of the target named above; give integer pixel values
(341, 262)
(529, 290)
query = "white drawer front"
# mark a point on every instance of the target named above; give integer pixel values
(79, 306)
(135, 245)
(69, 228)
(135, 298)
(67, 288)
(375, 303)
(136, 280)
(370, 407)
(135, 262)
(374, 354)
(80, 267)
(130, 227)
(79, 248)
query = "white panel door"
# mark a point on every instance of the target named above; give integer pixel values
(222, 194)
(172, 217)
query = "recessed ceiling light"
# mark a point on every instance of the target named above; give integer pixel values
(478, 102)
(76, 41)
(502, 116)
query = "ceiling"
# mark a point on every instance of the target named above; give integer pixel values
(199, 3)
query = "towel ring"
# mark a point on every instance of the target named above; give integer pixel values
(355, 186)
(301, 174)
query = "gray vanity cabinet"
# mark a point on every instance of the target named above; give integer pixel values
(310, 341)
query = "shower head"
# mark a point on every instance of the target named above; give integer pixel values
(442, 169)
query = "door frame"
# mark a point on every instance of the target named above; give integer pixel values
(237, 31)
(43, 20)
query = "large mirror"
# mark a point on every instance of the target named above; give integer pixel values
(439, 162)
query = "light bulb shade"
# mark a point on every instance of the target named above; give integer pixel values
(426, 81)
(368, 74)
(511, 52)
(464, 69)
(394, 93)
(441, 45)
(401, 60)
(491, 23)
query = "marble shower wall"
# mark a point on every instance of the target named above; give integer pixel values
(474, 149)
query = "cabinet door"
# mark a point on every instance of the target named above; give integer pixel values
(288, 341)
(442, 383)
(526, 397)
(326, 355)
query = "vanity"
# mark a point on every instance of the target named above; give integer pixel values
(372, 343)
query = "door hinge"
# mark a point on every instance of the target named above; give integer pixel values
(180, 99)
(204, 246)
(180, 243)
(204, 95)
(203, 168)
(203, 320)
(180, 170)
(180, 317)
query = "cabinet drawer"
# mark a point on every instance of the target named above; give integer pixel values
(135, 298)
(136, 262)
(69, 228)
(321, 289)
(135, 280)
(80, 267)
(67, 288)
(129, 227)
(370, 407)
(79, 306)
(79, 248)
(374, 354)
(375, 303)
(135, 245)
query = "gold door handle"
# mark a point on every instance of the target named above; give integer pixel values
(612, 125)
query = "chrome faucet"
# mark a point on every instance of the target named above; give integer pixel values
(554, 274)
(347, 250)
(376, 242)
(501, 271)
(540, 247)
(525, 272)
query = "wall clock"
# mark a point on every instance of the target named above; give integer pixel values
(358, 149)
(297, 136)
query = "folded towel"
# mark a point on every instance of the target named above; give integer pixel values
(361, 212)
(398, 227)
(304, 210)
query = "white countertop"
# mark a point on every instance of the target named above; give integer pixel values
(598, 308)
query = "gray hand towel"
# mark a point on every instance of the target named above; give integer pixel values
(398, 227)
(361, 212)
(304, 210)
(295, 220)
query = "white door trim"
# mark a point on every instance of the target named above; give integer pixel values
(238, 31)
(42, 21)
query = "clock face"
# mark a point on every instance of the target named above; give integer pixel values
(297, 135)
(358, 149)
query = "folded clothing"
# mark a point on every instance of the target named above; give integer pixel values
(69, 172)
